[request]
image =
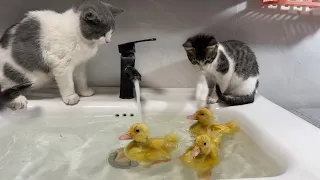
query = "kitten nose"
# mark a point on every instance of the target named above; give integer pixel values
(108, 40)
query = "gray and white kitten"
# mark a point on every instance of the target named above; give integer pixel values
(46, 45)
(231, 65)
(10, 94)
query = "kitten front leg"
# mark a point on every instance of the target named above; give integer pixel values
(213, 98)
(202, 91)
(64, 79)
(80, 80)
(223, 84)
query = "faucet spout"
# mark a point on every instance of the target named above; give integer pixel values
(128, 72)
(128, 75)
(132, 73)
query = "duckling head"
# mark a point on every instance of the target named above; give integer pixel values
(203, 115)
(138, 132)
(202, 145)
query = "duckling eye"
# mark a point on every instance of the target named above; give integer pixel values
(137, 130)
(202, 114)
(205, 143)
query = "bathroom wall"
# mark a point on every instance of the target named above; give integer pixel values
(286, 45)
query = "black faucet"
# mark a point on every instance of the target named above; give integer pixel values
(128, 72)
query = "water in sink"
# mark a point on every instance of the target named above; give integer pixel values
(69, 148)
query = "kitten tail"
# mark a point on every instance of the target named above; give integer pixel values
(235, 100)
(10, 94)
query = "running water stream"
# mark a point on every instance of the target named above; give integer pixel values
(136, 83)
(137, 90)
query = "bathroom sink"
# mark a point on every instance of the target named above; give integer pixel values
(53, 141)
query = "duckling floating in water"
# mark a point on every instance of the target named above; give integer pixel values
(206, 125)
(148, 150)
(202, 156)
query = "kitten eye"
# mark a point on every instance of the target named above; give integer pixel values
(89, 16)
(191, 55)
(96, 21)
(137, 130)
(194, 62)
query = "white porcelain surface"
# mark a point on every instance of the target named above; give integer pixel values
(293, 142)
(284, 43)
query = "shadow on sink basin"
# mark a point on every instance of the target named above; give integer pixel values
(21, 115)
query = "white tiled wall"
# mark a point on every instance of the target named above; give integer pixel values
(286, 45)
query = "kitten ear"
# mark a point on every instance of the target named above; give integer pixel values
(188, 46)
(213, 41)
(212, 47)
(114, 10)
(210, 50)
(213, 44)
(90, 15)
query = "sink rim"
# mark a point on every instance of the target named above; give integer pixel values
(280, 126)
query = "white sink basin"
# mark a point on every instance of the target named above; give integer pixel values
(53, 141)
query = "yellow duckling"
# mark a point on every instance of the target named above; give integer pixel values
(202, 156)
(206, 125)
(148, 150)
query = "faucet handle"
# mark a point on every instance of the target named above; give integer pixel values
(129, 47)
(143, 40)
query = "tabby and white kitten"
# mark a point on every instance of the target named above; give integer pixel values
(47, 45)
(231, 65)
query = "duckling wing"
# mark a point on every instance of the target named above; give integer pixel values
(159, 154)
(208, 163)
(159, 150)
(197, 129)
(214, 152)
(135, 153)
(156, 143)
(225, 128)
(219, 127)
(216, 137)
(214, 158)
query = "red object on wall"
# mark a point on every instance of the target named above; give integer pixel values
(309, 3)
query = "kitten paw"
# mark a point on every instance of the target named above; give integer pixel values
(19, 103)
(211, 100)
(71, 100)
(201, 104)
(86, 93)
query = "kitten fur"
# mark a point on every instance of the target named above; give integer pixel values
(231, 65)
(46, 45)
(10, 94)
